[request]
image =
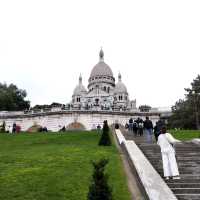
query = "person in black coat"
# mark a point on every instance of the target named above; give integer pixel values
(148, 127)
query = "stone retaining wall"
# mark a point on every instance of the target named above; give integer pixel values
(56, 120)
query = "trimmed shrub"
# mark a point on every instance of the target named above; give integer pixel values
(99, 188)
(105, 137)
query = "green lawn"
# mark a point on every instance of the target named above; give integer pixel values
(55, 166)
(185, 134)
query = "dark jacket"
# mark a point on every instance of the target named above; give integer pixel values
(148, 124)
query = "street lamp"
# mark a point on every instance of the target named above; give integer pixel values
(196, 108)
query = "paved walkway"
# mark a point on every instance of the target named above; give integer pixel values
(188, 157)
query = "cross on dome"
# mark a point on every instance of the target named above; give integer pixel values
(119, 77)
(80, 79)
(101, 55)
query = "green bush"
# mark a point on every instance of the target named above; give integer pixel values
(105, 138)
(99, 188)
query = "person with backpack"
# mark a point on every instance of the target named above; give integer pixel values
(140, 128)
(148, 128)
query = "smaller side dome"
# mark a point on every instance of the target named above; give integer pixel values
(79, 89)
(120, 86)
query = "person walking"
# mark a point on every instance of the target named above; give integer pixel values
(157, 128)
(135, 128)
(140, 126)
(130, 126)
(148, 128)
(165, 141)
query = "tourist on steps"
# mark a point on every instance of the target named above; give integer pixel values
(165, 141)
(148, 128)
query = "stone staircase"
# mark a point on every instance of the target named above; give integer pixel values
(188, 158)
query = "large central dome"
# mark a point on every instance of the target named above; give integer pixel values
(101, 68)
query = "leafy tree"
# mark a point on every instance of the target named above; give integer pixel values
(99, 188)
(12, 98)
(105, 137)
(185, 112)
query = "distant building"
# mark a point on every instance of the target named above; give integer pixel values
(102, 100)
(103, 93)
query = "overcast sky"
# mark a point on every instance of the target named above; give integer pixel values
(45, 45)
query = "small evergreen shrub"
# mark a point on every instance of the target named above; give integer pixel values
(99, 188)
(105, 137)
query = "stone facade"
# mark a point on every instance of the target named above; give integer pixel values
(102, 93)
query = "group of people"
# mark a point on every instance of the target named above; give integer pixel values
(139, 126)
(136, 126)
(165, 140)
(13, 129)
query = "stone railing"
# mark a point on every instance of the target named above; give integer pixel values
(153, 184)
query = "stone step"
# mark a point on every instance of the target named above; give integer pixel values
(184, 185)
(188, 196)
(186, 190)
(189, 181)
(188, 158)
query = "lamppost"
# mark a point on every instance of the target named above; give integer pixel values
(196, 108)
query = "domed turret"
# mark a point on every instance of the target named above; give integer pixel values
(79, 89)
(120, 95)
(120, 87)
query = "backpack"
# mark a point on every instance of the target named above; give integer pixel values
(140, 125)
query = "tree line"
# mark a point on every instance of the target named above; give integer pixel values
(186, 112)
(12, 98)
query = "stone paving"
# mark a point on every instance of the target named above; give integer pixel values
(188, 157)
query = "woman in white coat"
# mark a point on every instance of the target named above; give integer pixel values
(165, 141)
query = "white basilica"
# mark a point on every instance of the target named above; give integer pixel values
(103, 93)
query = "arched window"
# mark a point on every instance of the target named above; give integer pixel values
(108, 89)
(104, 88)
(78, 99)
(120, 97)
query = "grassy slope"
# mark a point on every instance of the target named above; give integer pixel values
(55, 166)
(185, 134)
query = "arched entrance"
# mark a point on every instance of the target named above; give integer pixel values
(34, 128)
(75, 126)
